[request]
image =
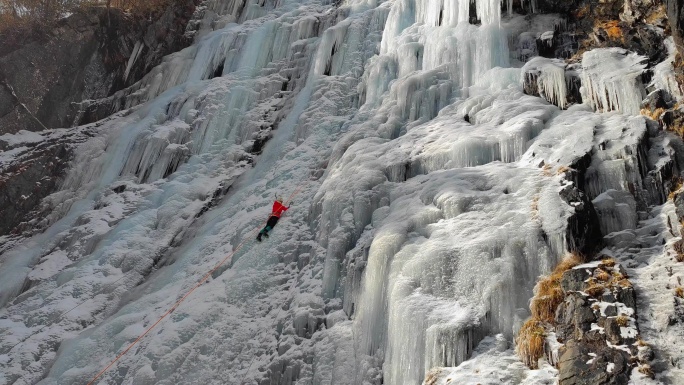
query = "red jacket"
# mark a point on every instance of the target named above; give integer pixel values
(278, 209)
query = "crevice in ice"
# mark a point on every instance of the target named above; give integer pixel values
(218, 71)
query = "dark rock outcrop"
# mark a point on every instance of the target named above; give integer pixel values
(583, 232)
(597, 325)
(44, 79)
(675, 17)
(34, 172)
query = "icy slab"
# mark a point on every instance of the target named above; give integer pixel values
(493, 363)
(616, 210)
(611, 80)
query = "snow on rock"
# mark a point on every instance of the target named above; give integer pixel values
(22, 136)
(493, 363)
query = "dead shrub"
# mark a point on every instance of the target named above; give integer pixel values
(646, 370)
(545, 303)
(622, 320)
(679, 292)
(595, 289)
(548, 292)
(679, 249)
(530, 342)
(602, 275)
(675, 187)
(653, 114)
(562, 170)
(608, 262)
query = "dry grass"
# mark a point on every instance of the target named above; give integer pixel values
(562, 170)
(679, 257)
(431, 378)
(641, 342)
(677, 129)
(625, 283)
(530, 342)
(571, 260)
(679, 292)
(654, 115)
(622, 321)
(676, 186)
(645, 369)
(602, 275)
(548, 293)
(617, 276)
(545, 303)
(678, 247)
(608, 262)
(612, 28)
(547, 170)
(595, 289)
(657, 15)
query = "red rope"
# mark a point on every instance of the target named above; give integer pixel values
(204, 279)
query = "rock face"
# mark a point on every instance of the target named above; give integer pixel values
(45, 79)
(675, 17)
(33, 174)
(597, 325)
(89, 55)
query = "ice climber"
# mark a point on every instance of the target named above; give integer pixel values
(278, 209)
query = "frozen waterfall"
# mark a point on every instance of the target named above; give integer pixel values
(429, 199)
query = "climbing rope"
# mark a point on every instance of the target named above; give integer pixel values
(61, 316)
(201, 281)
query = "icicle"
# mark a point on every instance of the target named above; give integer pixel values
(611, 80)
(550, 78)
(663, 73)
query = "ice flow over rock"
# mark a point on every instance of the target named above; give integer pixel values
(423, 220)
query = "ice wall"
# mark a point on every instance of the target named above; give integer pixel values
(429, 200)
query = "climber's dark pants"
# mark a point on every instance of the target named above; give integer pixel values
(270, 224)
